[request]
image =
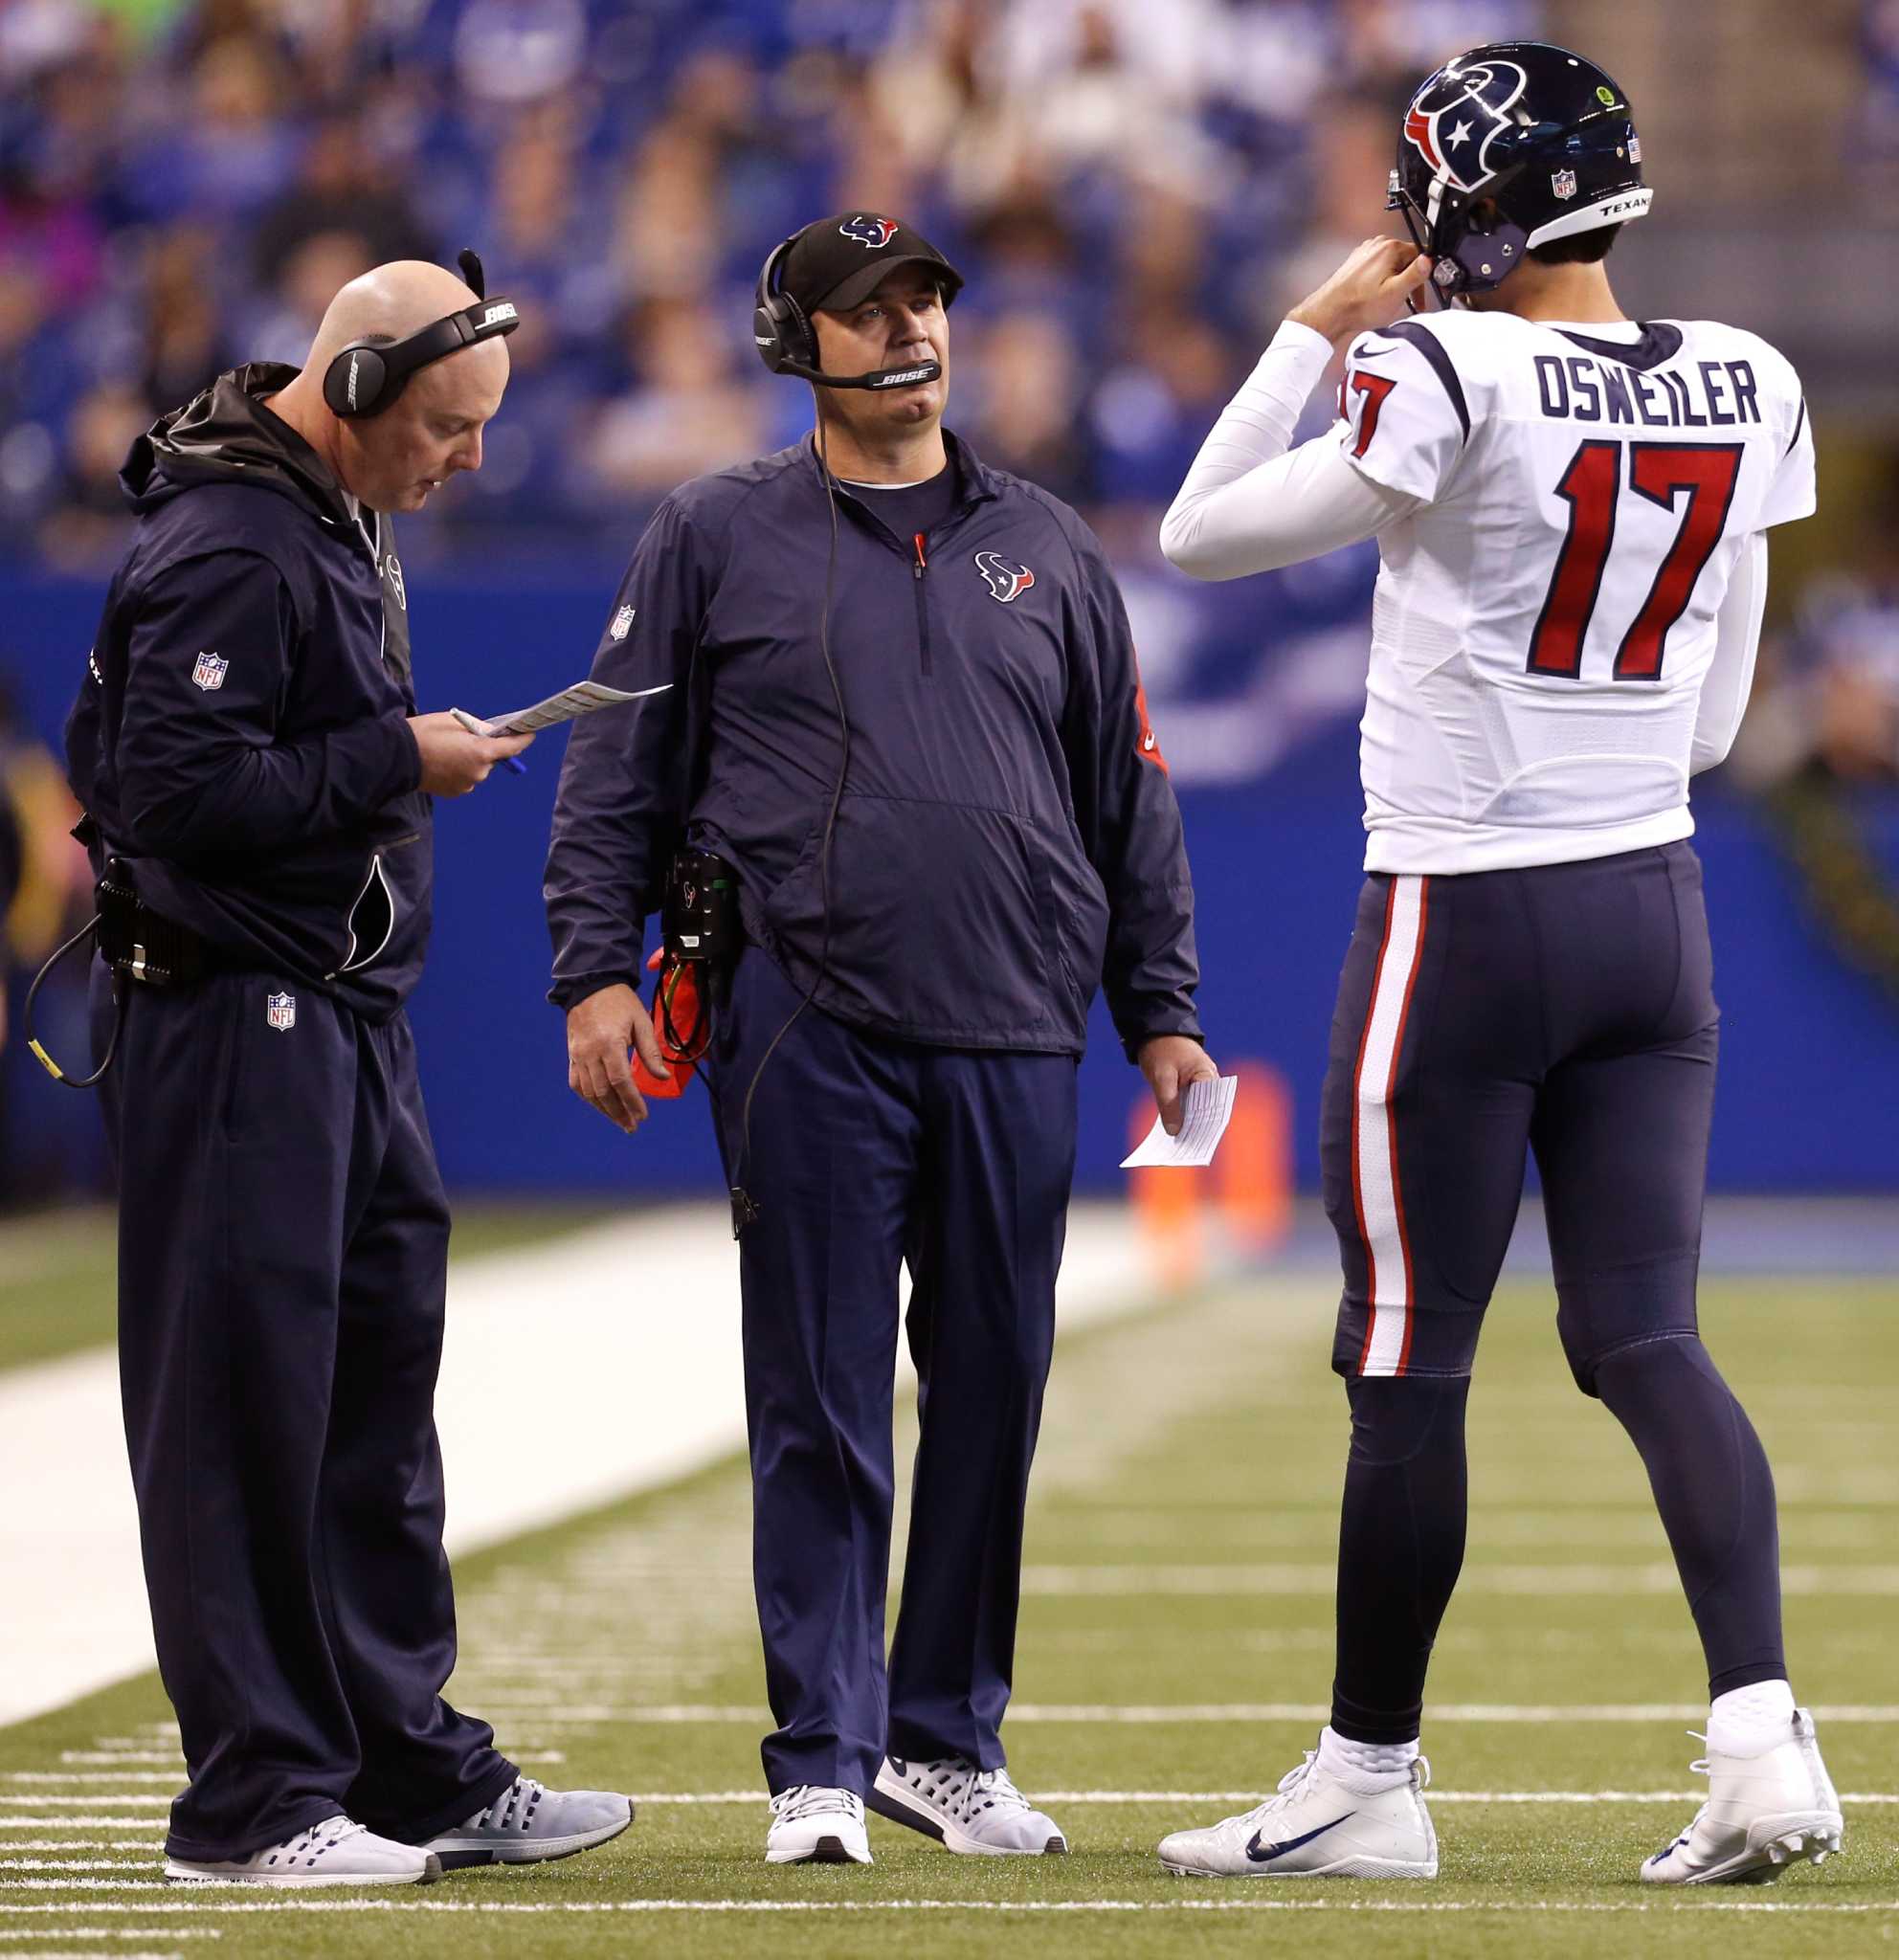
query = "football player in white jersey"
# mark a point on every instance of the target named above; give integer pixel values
(1570, 510)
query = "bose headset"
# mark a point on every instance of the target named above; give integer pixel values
(366, 377)
(788, 345)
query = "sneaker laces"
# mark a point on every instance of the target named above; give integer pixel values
(957, 1785)
(1294, 1781)
(512, 1810)
(1289, 1786)
(815, 1800)
(315, 1842)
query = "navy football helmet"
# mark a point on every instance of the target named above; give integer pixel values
(1542, 134)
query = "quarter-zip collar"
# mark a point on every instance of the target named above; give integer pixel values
(975, 483)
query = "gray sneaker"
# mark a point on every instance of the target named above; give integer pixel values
(528, 1823)
(333, 1852)
(963, 1808)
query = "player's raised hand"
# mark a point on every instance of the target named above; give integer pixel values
(1368, 290)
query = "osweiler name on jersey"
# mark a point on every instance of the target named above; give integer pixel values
(1575, 501)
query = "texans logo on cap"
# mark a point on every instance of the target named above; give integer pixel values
(872, 234)
(1005, 581)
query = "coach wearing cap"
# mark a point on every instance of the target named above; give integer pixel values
(258, 787)
(897, 695)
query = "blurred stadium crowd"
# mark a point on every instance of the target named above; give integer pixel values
(1135, 190)
(1132, 185)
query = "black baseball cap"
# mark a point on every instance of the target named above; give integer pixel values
(840, 261)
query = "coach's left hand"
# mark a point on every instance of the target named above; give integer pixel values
(1170, 1062)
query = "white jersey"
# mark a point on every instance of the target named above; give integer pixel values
(1567, 508)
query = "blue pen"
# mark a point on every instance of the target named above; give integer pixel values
(475, 728)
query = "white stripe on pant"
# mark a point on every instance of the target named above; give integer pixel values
(1374, 1166)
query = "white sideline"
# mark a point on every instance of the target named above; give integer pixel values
(575, 1373)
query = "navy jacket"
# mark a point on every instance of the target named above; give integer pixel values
(1008, 839)
(241, 737)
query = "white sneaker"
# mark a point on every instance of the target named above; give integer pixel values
(528, 1824)
(333, 1852)
(1316, 1828)
(1762, 1812)
(813, 1825)
(964, 1807)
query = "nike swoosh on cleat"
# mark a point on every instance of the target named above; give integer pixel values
(1264, 1854)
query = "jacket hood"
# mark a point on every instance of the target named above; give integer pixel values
(227, 436)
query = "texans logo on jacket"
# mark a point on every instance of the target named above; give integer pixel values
(1006, 581)
(869, 233)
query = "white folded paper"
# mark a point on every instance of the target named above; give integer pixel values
(585, 697)
(1206, 1109)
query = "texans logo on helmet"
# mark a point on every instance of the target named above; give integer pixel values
(1005, 581)
(1456, 115)
(869, 233)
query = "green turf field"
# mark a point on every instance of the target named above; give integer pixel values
(1175, 1657)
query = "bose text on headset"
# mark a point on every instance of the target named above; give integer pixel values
(366, 377)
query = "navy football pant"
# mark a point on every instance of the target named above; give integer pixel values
(1566, 1010)
(282, 1245)
(865, 1153)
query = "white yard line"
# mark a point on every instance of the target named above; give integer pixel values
(577, 1344)
(109, 1932)
(660, 1799)
(1251, 1903)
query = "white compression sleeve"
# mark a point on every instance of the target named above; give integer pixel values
(1248, 504)
(1724, 694)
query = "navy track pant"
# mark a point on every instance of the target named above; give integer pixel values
(867, 1152)
(282, 1247)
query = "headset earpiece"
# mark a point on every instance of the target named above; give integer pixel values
(779, 325)
(367, 376)
(354, 382)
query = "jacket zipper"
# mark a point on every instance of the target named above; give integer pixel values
(917, 572)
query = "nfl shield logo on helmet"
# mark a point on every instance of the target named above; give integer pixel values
(622, 623)
(281, 1010)
(209, 671)
(1563, 183)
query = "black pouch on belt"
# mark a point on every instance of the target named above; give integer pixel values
(136, 941)
(699, 919)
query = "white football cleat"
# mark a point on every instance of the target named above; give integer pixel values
(815, 1825)
(1761, 1814)
(964, 1807)
(1316, 1828)
(335, 1852)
